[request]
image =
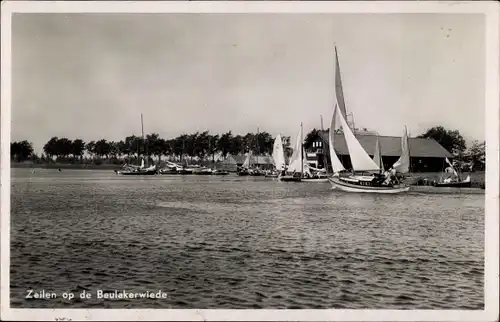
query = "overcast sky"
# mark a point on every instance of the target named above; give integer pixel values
(90, 76)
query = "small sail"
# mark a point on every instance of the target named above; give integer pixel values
(296, 159)
(403, 163)
(246, 164)
(452, 167)
(377, 156)
(278, 153)
(142, 163)
(336, 164)
(360, 160)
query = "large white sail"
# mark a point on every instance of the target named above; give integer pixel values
(403, 163)
(360, 160)
(246, 164)
(377, 156)
(296, 159)
(278, 153)
(336, 164)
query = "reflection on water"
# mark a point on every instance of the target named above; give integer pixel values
(240, 242)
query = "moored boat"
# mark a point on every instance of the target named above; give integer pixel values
(219, 172)
(454, 180)
(202, 171)
(138, 170)
(367, 175)
(295, 169)
(130, 170)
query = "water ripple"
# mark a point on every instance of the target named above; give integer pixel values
(241, 243)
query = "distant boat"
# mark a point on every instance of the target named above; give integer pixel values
(133, 170)
(453, 181)
(367, 174)
(244, 169)
(278, 158)
(219, 172)
(294, 171)
(130, 170)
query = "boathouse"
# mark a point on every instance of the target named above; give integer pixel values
(426, 155)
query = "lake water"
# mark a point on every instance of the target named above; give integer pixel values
(240, 242)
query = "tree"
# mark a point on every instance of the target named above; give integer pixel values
(21, 151)
(477, 153)
(50, 148)
(451, 140)
(64, 147)
(90, 147)
(78, 147)
(237, 145)
(265, 143)
(286, 146)
(102, 148)
(224, 143)
(213, 142)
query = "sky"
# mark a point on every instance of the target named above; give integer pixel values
(90, 76)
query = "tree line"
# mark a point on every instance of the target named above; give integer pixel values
(203, 145)
(200, 145)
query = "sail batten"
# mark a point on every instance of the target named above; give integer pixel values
(360, 160)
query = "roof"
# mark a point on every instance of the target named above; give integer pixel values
(391, 146)
(262, 159)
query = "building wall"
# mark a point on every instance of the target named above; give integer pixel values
(417, 164)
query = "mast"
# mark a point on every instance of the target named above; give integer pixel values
(143, 142)
(321, 116)
(211, 150)
(301, 150)
(408, 146)
(258, 148)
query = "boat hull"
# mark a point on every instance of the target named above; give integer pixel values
(348, 187)
(318, 180)
(220, 173)
(289, 179)
(454, 185)
(136, 173)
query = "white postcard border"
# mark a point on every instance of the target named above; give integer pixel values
(492, 117)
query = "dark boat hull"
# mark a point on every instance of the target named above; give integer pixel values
(454, 185)
(289, 179)
(137, 173)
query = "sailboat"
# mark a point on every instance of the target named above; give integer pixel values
(129, 169)
(294, 171)
(243, 171)
(278, 157)
(367, 174)
(453, 181)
